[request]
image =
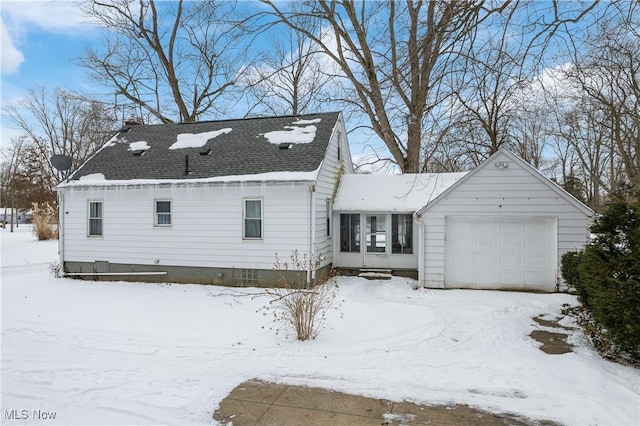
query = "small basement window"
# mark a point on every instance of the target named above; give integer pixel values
(163, 213)
(139, 152)
(246, 277)
(285, 145)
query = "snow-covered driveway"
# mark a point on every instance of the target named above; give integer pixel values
(129, 353)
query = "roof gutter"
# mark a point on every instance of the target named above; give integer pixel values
(61, 232)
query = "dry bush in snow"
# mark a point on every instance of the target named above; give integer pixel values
(297, 309)
(44, 221)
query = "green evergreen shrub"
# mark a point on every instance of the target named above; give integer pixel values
(606, 275)
(570, 272)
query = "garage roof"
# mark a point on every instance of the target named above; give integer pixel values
(391, 193)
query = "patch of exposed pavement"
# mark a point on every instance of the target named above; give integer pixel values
(553, 342)
(256, 402)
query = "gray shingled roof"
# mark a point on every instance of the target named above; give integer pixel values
(243, 151)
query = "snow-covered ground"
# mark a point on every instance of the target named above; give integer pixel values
(128, 353)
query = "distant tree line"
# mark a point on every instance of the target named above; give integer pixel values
(433, 86)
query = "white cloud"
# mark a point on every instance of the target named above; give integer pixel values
(11, 56)
(55, 16)
(19, 17)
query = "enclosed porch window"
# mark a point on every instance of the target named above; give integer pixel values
(402, 234)
(350, 233)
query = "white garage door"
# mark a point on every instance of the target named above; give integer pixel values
(498, 252)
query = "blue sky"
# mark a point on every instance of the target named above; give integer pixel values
(39, 40)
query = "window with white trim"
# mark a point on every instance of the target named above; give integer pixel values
(94, 225)
(252, 219)
(162, 213)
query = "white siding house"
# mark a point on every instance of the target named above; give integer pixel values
(218, 202)
(245, 191)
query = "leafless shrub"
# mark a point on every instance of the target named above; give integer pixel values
(415, 284)
(294, 308)
(55, 269)
(44, 221)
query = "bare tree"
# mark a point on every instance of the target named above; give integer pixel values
(394, 56)
(609, 79)
(175, 60)
(12, 160)
(494, 102)
(597, 120)
(289, 78)
(62, 122)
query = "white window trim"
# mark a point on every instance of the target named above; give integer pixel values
(155, 213)
(244, 217)
(89, 235)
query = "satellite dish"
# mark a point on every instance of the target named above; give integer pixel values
(61, 162)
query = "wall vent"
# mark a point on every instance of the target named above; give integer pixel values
(206, 151)
(285, 145)
(139, 152)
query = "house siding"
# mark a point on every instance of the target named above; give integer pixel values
(328, 177)
(206, 229)
(205, 237)
(510, 192)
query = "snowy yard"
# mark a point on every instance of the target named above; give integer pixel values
(127, 353)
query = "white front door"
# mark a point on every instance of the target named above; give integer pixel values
(376, 252)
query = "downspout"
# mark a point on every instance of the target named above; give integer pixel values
(421, 239)
(61, 230)
(311, 272)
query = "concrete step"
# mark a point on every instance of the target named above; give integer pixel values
(375, 274)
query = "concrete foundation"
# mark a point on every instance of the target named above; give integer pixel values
(231, 277)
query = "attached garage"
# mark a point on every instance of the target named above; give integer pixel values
(503, 252)
(501, 226)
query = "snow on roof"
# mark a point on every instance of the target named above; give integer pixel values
(310, 121)
(94, 177)
(197, 140)
(98, 179)
(138, 146)
(391, 193)
(295, 134)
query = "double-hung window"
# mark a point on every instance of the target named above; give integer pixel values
(252, 218)
(163, 213)
(95, 219)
